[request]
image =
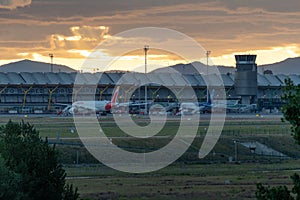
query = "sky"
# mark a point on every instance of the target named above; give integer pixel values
(72, 29)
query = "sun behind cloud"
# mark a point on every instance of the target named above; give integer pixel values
(83, 39)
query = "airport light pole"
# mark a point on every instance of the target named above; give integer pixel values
(207, 93)
(51, 57)
(146, 49)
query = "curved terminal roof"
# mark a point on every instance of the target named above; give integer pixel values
(91, 79)
(79, 79)
(139, 77)
(114, 77)
(15, 78)
(155, 79)
(53, 78)
(179, 80)
(128, 79)
(274, 81)
(28, 78)
(227, 80)
(213, 80)
(4, 78)
(104, 79)
(166, 79)
(66, 78)
(282, 77)
(262, 80)
(295, 78)
(200, 80)
(40, 78)
(191, 79)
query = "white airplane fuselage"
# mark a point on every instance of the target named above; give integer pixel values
(83, 107)
(90, 106)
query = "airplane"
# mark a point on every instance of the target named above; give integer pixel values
(132, 107)
(90, 106)
(190, 108)
(229, 105)
(242, 108)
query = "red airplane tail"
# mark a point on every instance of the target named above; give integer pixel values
(113, 100)
(115, 96)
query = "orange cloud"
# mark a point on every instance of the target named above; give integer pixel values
(81, 41)
(82, 38)
(13, 4)
(222, 26)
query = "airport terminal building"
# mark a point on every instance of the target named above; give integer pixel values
(48, 92)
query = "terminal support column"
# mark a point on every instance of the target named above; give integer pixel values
(102, 91)
(25, 95)
(128, 91)
(155, 92)
(75, 92)
(50, 96)
(178, 91)
(2, 90)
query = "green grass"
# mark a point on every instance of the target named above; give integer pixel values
(189, 177)
(180, 181)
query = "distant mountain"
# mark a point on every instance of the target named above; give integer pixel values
(194, 68)
(33, 66)
(288, 66)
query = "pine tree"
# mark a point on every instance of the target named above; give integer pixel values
(35, 162)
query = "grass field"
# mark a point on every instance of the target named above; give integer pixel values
(189, 177)
(180, 181)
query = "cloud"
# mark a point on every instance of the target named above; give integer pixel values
(222, 26)
(75, 43)
(13, 4)
(82, 39)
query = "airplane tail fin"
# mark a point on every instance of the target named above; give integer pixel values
(113, 101)
(115, 96)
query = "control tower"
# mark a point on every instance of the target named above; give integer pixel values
(245, 78)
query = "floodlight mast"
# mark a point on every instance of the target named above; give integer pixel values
(51, 57)
(146, 49)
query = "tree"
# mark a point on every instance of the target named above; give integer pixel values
(280, 192)
(9, 183)
(291, 109)
(291, 113)
(275, 193)
(35, 162)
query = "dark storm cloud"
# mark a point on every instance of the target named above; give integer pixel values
(221, 25)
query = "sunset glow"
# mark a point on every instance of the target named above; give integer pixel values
(33, 29)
